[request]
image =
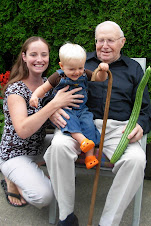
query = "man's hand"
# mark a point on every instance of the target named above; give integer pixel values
(57, 118)
(104, 66)
(102, 75)
(136, 133)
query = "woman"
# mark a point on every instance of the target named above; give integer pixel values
(22, 144)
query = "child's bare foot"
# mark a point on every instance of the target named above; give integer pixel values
(13, 194)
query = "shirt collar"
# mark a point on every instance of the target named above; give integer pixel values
(91, 55)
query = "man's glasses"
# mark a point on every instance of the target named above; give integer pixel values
(110, 41)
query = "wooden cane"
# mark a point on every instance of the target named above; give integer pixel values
(97, 173)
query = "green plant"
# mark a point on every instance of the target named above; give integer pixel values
(149, 137)
(74, 21)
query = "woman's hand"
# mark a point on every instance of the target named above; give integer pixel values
(66, 98)
(57, 118)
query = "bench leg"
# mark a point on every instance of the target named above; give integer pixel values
(138, 195)
(53, 211)
(137, 206)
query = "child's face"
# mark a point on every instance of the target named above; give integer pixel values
(73, 69)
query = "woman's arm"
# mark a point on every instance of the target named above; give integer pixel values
(26, 125)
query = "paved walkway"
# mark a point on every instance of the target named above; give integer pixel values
(31, 216)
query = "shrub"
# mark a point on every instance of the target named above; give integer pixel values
(71, 20)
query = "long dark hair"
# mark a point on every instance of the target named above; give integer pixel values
(20, 70)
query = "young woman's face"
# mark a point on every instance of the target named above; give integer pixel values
(36, 57)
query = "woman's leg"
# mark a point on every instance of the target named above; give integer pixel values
(30, 180)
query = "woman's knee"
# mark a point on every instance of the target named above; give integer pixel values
(40, 197)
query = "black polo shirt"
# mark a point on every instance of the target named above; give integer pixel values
(127, 74)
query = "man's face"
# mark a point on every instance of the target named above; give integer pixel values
(109, 43)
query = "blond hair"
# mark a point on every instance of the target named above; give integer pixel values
(71, 51)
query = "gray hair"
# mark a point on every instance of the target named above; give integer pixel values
(111, 23)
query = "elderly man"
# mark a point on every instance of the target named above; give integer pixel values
(64, 150)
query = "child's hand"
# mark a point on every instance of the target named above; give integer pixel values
(33, 101)
(104, 66)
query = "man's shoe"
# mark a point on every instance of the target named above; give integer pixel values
(71, 220)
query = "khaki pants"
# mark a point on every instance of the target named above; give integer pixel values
(62, 154)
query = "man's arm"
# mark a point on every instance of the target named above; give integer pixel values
(57, 118)
(144, 119)
(143, 125)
